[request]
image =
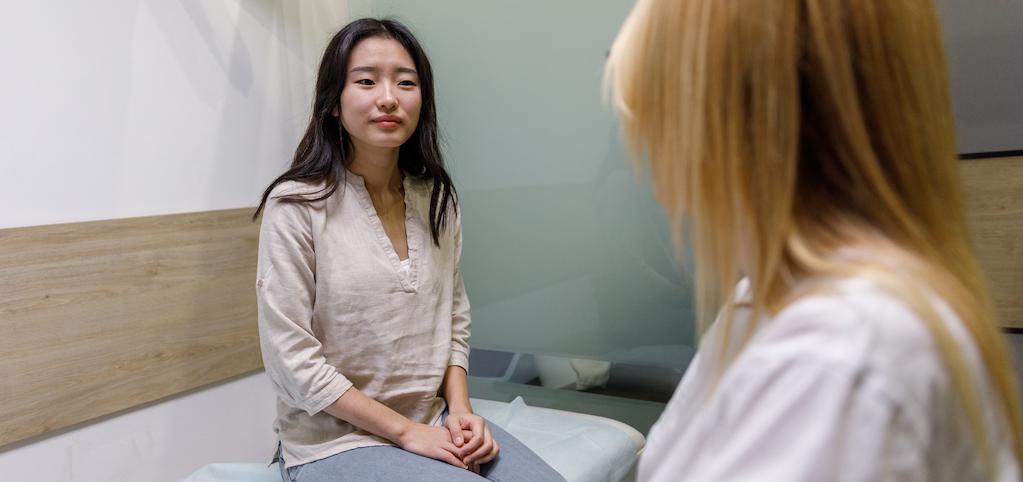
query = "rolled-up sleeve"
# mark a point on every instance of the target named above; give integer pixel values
(285, 293)
(460, 320)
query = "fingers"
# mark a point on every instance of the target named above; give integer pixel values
(449, 457)
(484, 449)
(493, 454)
(471, 443)
(455, 430)
(435, 443)
(475, 441)
(450, 447)
(453, 455)
(476, 425)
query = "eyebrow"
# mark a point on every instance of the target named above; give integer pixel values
(367, 68)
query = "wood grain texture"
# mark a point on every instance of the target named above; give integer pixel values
(994, 209)
(101, 316)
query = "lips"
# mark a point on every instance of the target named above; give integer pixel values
(387, 122)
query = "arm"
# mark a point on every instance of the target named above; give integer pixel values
(456, 390)
(455, 385)
(480, 447)
(460, 319)
(285, 294)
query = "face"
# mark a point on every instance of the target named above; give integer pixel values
(380, 100)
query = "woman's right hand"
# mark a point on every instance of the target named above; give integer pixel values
(432, 442)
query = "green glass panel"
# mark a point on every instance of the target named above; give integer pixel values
(566, 252)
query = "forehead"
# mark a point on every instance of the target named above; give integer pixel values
(380, 52)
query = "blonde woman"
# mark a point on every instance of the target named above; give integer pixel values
(807, 146)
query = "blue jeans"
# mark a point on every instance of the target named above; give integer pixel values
(515, 462)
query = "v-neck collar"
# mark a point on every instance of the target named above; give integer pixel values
(410, 281)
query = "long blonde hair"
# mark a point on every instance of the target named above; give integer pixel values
(780, 131)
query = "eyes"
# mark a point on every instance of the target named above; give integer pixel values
(370, 82)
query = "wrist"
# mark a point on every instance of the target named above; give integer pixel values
(459, 408)
(401, 430)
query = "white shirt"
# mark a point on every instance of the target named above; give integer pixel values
(338, 308)
(846, 386)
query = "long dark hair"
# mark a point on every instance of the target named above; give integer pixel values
(326, 148)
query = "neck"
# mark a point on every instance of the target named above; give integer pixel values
(378, 168)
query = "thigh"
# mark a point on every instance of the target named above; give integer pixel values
(516, 462)
(380, 464)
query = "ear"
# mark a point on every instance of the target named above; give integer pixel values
(333, 112)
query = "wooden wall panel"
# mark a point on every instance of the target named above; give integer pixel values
(994, 207)
(101, 316)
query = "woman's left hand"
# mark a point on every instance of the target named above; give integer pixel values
(480, 447)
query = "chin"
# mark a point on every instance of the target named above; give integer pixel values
(389, 144)
(381, 140)
(389, 141)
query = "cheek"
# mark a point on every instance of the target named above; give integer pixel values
(350, 109)
(346, 123)
(412, 103)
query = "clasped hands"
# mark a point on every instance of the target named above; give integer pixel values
(464, 441)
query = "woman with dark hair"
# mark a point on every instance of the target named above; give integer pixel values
(363, 317)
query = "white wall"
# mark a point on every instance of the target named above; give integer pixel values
(121, 108)
(124, 108)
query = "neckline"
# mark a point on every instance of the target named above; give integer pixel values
(409, 280)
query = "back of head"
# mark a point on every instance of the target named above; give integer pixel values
(783, 130)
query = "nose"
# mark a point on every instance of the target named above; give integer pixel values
(387, 101)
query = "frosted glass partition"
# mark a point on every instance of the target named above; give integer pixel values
(565, 251)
